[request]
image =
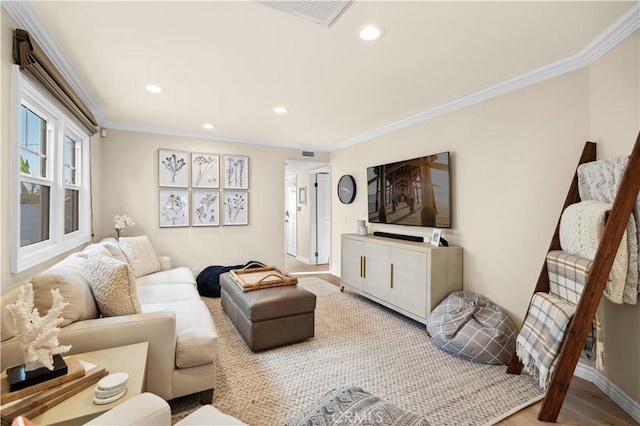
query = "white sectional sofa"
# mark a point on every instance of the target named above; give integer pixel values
(173, 318)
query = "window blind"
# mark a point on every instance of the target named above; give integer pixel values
(37, 65)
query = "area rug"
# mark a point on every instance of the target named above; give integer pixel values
(360, 343)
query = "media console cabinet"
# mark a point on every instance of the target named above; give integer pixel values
(409, 277)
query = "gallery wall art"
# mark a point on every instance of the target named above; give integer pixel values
(236, 172)
(190, 186)
(205, 207)
(174, 207)
(205, 170)
(235, 208)
(173, 168)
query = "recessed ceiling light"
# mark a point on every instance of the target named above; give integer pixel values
(370, 32)
(208, 126)
(280, 110)
(153, 88)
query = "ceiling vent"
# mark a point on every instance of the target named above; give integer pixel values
(324, 12)
(307, 154)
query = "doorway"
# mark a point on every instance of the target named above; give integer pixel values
(307, 217)
(290, 217)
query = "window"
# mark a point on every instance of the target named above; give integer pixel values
(51, 211)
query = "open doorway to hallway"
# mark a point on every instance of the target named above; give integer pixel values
(307, 217)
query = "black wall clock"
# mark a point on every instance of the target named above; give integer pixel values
(347, 189)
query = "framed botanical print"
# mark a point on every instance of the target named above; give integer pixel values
(173, 168)
(236, 172)
(235, 208)
(174, 207)
(205, 205)
(205, 170)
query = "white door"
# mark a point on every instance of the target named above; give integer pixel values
(290, 215)
(323, 218)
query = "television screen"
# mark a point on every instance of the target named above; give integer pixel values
(414, 192)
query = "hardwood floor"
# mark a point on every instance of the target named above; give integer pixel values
(585, 404)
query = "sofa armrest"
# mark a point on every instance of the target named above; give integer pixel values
(157, 328)
(165, 262)
(144, 409)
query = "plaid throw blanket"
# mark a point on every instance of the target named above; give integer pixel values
(567, 277)
(541, 336)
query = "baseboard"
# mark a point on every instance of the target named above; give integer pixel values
(616, 394)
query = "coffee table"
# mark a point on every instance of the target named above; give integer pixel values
(80, 408)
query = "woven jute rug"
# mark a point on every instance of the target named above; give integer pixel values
(357, 342)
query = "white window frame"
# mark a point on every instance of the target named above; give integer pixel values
(59, 123)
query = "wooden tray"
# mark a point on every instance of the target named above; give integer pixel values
(249, 279)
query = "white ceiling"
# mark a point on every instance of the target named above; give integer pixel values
(230, 63)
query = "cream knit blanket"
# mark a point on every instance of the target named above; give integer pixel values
(581, 228)
(600, 180)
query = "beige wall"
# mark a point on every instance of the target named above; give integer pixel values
(129, 166)
(512, 161)
(614, 83)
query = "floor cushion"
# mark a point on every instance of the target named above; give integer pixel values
(470, 326)
(354, 406)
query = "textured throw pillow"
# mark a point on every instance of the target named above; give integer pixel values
(140, 255)
(69, 276)
(113, 285)
(352, 405)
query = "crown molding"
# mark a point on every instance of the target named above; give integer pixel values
(626, 25)
(24, 16)
(140, 128)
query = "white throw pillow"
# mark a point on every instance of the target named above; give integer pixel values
(113, 285)
(140, 255)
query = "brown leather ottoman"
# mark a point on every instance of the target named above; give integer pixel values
(269, 317)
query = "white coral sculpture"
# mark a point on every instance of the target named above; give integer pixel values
(38, 336)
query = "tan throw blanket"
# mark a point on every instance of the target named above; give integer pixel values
(259, 278)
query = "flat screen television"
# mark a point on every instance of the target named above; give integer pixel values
(414, 192)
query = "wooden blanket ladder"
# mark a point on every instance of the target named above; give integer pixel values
(601, 267)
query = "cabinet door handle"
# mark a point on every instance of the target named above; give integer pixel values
(392, 275)
(360, 266)
(364, 266)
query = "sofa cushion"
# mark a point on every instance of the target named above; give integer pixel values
(113, 285)
(140, 255)
(196, 334)
(70, 277)
(7, 326)
(181, 275)
(113, 246)
(95, 249)
(162, 293)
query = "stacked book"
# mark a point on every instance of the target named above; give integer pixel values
(34, 400)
